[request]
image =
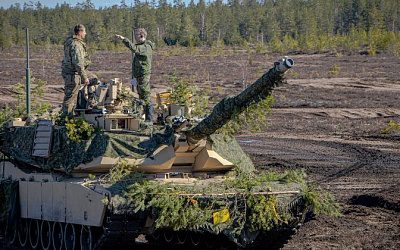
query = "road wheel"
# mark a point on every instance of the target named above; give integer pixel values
(45, 235)
(195, 238)
(11, 234)
(156, 235)
(23, 232)
(86, 238)
(181, 236)
(69, 236)
(57, 236)
(168, 236)
(34, 233)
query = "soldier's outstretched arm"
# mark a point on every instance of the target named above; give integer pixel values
(127, 43)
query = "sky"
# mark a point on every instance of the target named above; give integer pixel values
(52, 3)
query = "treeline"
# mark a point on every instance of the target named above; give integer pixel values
(279, 25)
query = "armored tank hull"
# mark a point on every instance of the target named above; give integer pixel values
(58, 211)
(159, 185)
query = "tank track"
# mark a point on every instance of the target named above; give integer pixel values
(119, 231)
(126, 231)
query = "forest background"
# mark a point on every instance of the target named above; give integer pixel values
(306, 26)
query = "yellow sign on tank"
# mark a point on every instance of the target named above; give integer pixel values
(221, 216)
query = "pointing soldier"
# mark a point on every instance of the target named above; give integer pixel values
(74, 68)
(141, 67)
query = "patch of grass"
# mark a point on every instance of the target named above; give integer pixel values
(217, 48)
(392, 127)
(372, 50)
(334, 71)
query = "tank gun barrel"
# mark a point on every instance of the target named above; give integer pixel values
(229, 106)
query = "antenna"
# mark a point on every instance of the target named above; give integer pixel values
(134, 42)
(28, 77)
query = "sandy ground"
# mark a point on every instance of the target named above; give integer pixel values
(327, 120)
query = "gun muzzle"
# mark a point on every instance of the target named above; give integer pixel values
(284, 64)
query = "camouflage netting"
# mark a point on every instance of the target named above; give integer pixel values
(8, 201)
(229, 148)
(67, 154)
(230, 106)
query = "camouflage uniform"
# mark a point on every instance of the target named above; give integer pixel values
(76, 60)
(141, 67)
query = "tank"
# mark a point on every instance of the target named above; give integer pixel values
(176, 182)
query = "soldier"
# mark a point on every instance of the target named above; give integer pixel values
(141, 67)
(74, 68)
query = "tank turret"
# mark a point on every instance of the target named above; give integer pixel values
(162, 149)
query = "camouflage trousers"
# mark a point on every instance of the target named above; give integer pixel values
(71, 89)
(143, 88)
(73, 83)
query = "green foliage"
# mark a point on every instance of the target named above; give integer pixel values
(355, 40)
(5, 41)
(276, 45)
(200, 102)
(263, 212)
(120, 171)
(371, 50)
(38, 106)
(320, 201)
(252, 181)
(254, 118)
(127, 98)
(6, 114)
(394, 46)
(192, 207)
(123, 171)
(261, 48)
(217, 48)
(280, 25)
(181, 212)
(78, 129)
(391, 128)
(183, 93)
(294, 175)
(334, 71)
(289, 43)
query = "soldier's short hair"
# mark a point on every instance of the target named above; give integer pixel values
(141, 32)
(78, 28)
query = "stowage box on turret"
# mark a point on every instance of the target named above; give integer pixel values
(56, 192)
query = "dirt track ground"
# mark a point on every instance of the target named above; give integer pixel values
(325, 121)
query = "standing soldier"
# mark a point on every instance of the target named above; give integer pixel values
(74, 72)
(141, 67)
